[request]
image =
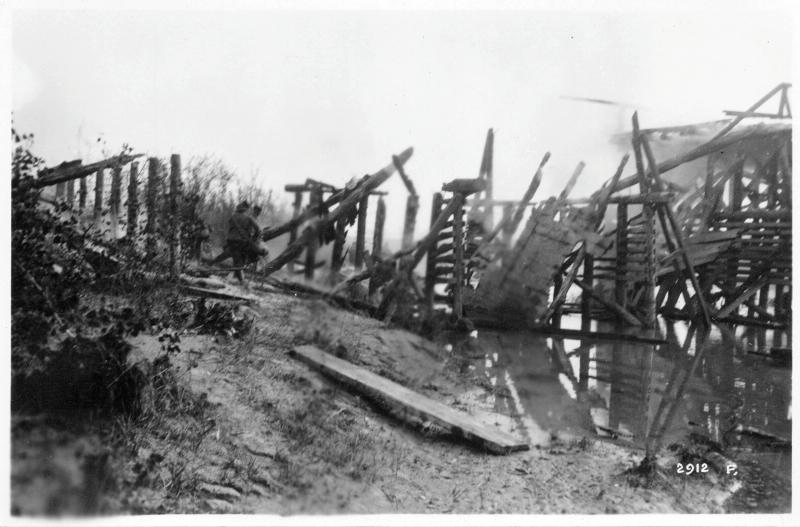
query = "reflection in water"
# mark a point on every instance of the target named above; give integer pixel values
(725, 384)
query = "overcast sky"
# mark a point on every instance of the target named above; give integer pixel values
(331, 95)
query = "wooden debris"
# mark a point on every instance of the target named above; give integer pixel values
(346, 206)
(411, 403)
(218, 293)
(74, 170)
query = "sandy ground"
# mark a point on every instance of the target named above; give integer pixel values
(276, 436)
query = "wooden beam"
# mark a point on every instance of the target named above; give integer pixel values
(711, 147)
(731, 306)
(677, 233)
(216, 293)
(70, 192)
(296, 208)
(133, 202)
(174, 220)
(83, 191)
(410, 402)
(313, 241)
(651, 197)
(430, 271)
(152, 194)
(571, 181)
(528, 195)
(734, 113)
(586, 304)
(730, 126)
(337, 255)
(346, 206)
(464, 186)
(410, 223)
(377, 234)
(561, 294)
(487, 173)
(74, 171)
(98, 195)
(361, 232)
(621, 263)
(626, 315)
(458, 255)
(604, 195)
(116, 198)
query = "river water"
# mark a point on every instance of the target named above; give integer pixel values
(727, 387)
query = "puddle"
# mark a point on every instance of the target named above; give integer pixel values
(727, 386)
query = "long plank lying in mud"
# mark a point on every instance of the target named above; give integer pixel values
(376, 386)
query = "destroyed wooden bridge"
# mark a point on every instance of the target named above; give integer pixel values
(714, 248)
(643, 246)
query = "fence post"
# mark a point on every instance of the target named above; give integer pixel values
(116, 191)
(298, 202)
(361, 232)
(412, 206)
(82, 192)
(174, 219)
(98, 196)
(70, 193)
(311, 249)
(152, 212)
(377, 236)
(508, 233)
(133, 202)
(338, 245)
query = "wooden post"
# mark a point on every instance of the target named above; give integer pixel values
(296, 207)
(83, 191)
(361, 232)
(60, 191)
(337, 255)
(622, 255)
(586, 299)
(70, 192)
(348, 201)
(458, 255)
(583, 367)
(487, 162)
(116, 191)
(174, 220)
(377, 235)
(133, 202)
(430, 265)
(311, 258)
(98, 196)
(311, 249)
(649, 224)
(650, 264)
(152, 213)
(555, 318)
(508, 233)
(529, 193)
(412, 206)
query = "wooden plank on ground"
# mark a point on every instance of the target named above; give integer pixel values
(217, 293)
(379, 387)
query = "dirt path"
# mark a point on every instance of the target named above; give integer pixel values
(275, 436)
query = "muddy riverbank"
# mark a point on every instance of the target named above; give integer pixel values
(269, 434)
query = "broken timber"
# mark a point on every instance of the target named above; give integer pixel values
(348, 199)
(375, 386)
